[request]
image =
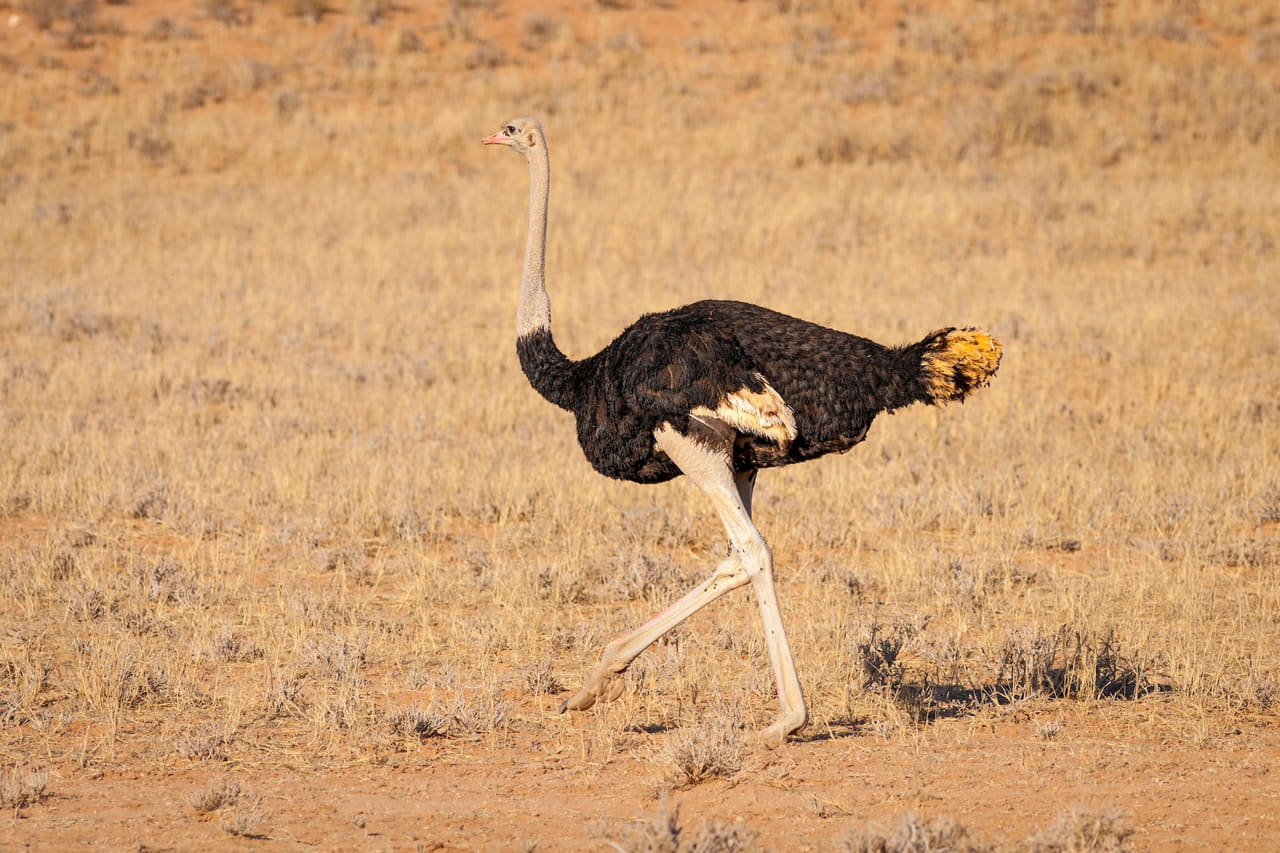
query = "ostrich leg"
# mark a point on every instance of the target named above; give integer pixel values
(750, 561)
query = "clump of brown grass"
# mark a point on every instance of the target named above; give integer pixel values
(80, 13)
(703, 753)
(542, 680)
(419, 723)
(878, 650)
(469, 713)
(225, 12)
(310, 11)
(1078, 832)
(1084, 832)
(536, 29)
(666, 833)
(372, 11)
(240, 812)
(244, 821)
(1068, 664)
(203, 745)
(21, 787)
(914, 834)
(225, 792)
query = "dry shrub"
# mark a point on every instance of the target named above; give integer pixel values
(878, 648)
(206, 745)
(419, 723)
(1068, 664)
(914, 834)
(667, 834)
(1078, 832)
(692, 756)
(372, 11)
(240, 812)
(45, 13)
(1083, 832)
(223, 793)
(310, 11)
(244, 820)
(225, 12)
(468, 714)
(21, 787)
(116, 677)
(536, 29)
(542, 680)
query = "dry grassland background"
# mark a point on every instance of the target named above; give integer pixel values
(292, 556)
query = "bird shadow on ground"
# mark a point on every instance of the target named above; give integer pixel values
(929, 703)
(650, 728)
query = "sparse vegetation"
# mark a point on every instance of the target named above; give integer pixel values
(1084, 832)
(914, 834)
(239, 812)
(276, 498)
(1078, 832)
(692, 756)
(668, 833)
(21, 787)
(225, 792)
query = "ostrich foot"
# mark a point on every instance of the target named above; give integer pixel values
(602, 685)
(787, 723)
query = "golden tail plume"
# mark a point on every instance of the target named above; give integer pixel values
(958, 361)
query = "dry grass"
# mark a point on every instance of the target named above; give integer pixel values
(668, 833)
(1078, 832)
(23, 787)
(274, 486)
(703, 753)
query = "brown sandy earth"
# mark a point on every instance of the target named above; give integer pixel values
(989, 775)
(1005, 767)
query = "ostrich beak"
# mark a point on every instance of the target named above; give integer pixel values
(496, 139)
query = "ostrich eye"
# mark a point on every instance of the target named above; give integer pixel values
(509, 130)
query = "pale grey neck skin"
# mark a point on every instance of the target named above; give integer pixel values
(534, 311)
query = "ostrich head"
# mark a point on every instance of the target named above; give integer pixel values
(522, 134)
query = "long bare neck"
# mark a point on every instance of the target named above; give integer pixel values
(548, 370)
(534, 312)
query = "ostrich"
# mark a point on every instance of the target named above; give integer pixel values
(717, 390)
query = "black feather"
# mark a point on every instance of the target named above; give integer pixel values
(665, 365)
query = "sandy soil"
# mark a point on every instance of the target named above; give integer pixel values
(996, 777)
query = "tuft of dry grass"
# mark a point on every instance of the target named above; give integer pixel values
(698, 754)
(240, 812)
(23, 787)
(667, 833)
(914, 834)
(1068, 664)
(1084, 832)
(1076, 832)
(310, 11)
(226, 792)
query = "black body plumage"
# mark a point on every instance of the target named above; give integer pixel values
(666, 365)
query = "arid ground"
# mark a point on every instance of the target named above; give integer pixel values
(292, 557)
